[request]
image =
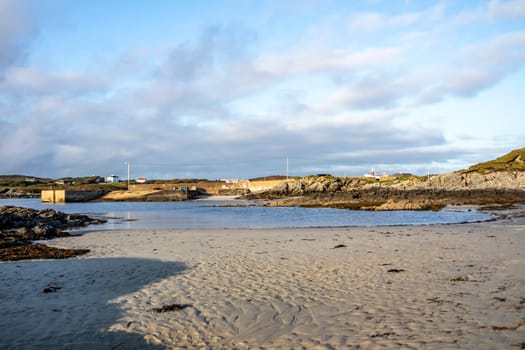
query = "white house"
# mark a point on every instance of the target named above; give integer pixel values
(112, 179)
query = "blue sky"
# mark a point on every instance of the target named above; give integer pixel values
(230, 89)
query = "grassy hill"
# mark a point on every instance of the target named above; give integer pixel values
(22, 180)
(513, 161)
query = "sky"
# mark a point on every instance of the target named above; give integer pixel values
(241, 89)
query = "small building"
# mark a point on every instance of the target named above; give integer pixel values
(64, 182)
(371, 173)
(112, 179)
(141, 180)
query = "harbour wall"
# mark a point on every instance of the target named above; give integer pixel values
(63, 196)
(212, 187)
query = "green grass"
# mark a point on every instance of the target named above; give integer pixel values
(513, 161)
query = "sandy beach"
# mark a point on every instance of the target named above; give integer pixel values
(403, 287)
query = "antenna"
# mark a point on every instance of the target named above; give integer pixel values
(286, 167)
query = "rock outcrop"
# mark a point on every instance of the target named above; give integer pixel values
(415, 193)
(475, 180)
(14, 193)
(20, 226)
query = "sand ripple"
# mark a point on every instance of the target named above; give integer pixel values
(452, 286)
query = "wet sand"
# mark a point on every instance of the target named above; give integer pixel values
(404, 287)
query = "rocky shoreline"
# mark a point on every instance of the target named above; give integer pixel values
(394, 199)
(370, 194)
(19, 227)
(15, 193)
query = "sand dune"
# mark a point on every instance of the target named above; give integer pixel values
(420, 287)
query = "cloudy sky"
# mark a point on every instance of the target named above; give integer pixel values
(230, 89)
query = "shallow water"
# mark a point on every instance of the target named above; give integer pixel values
(206, 214)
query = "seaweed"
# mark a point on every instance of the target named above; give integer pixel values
(171, 307)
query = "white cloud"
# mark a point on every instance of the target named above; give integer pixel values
(367, 22)
(514, 9)
(484, 64)
(17, 29)
(326, 60)
(224, 105)
(374, 21)
(39, 81)
(472, 70)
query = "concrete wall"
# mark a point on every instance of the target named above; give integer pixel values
(169, 196)
(62, 196)
(53, 196)
(164, 186)
(211, 187)
(83, 196)
(257, 186)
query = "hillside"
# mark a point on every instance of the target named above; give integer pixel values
(512, 161)
(21, 180)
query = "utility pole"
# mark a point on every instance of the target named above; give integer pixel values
(286, 167)
(129, 165)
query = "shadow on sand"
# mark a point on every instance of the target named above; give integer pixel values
(79, 306)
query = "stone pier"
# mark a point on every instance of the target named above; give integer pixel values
(63, 196)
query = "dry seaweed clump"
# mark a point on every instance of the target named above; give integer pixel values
(171, 307)
(38, 251)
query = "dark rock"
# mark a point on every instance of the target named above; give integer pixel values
(395, 270)
(339, 246)
(14, 193)
(19, 226)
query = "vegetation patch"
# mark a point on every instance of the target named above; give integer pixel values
(513, 161)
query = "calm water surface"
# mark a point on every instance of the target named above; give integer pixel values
(206, 214)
